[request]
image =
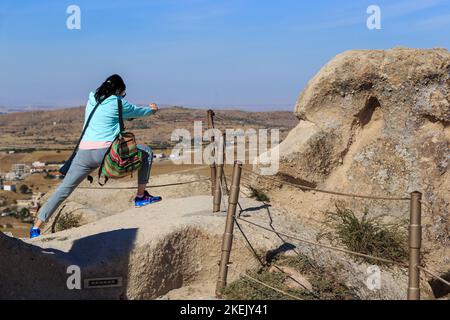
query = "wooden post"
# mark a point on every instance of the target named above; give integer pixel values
(213, 177)
(224, 184)
(415, 241)
(211, 115)
(213, 169)
(219, 177)
(218, 189)
(227, 240)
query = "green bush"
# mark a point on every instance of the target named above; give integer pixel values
(23, 213)
(68, 221)
(367, 235)
(326, 285)
(258, 195)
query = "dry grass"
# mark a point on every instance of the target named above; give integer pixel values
(258, 195)
(68, 221)
(326, 285)
(367, 235)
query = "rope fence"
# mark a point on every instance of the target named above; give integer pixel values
(325, 246)
(217, 175)
(303, 187)
(251, 279)
(219, 187)
(270, 287)
(149, 186)
(434, 276)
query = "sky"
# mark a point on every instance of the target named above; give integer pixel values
(248, 54)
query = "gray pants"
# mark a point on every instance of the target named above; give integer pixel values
(82, 165)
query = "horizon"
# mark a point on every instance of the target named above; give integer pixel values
(198, 53)
(7, 110)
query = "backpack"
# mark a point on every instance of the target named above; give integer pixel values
(123, 156)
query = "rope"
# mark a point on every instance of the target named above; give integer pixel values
(435, 276)
(253, 251)
(219, 118)
(270, 287)
(255, 254)
(149, 186)
(326, 191)
(250, 246)
(189, 170)
(248, 277)
(222, 194)
(326, 246)
(426, 205)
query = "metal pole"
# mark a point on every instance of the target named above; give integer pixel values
(210, 116)
(213, 177)
(415, 240)
(227, 240)
(218, 189)
(225, 185)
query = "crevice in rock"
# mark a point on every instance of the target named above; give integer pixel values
(288, 178)
(434, 119)
(440, 289)
(364, 116)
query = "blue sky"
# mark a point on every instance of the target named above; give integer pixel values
(254, 54)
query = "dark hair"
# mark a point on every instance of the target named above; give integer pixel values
(110, 87)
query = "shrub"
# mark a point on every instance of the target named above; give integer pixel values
(68, 221)
(23, 213)
(325, 283)
(367, 235)
(259, 195)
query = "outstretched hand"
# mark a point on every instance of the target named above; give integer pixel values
(153, 106)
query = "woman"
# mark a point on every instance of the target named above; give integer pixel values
(101, 132)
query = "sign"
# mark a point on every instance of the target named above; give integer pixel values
(97, 283)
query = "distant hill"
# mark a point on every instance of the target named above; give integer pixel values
(4, 110)
(60, 128)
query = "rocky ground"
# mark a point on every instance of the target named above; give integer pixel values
(374, 122)
(169, 250)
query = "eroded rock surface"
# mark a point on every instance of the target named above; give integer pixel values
(374, 123)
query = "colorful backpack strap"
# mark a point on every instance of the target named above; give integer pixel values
(122, 128)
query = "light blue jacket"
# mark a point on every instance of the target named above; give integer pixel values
(104, 125)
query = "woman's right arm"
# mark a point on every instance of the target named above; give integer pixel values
(133, 111)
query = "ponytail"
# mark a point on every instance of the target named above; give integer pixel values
(110, 87)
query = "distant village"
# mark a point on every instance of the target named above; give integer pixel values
(26, 209)
(14, 181)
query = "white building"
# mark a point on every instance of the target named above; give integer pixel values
(38, 164)
(21, 169)
(10, 176)
(9, 187)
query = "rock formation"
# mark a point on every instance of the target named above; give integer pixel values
(377, 123)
